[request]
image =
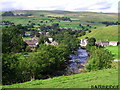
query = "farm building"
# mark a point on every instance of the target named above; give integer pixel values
(32, 42)
(102, 43)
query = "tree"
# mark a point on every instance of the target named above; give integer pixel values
(64, 37)
(8, 14)
(82, 33)
(99, 59)
(42, 39)
(90, 43)
(80, 25)
(89, 31)
(9, 65)
(27, 68)
(44, 57)
(12, 40)
(28, 49)
(51, 58)
(55, 25)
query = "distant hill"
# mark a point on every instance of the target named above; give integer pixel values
(83, 80)
(94, 19)
(82, 16)
(109, 33)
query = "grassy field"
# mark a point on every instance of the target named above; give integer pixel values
(109, 33)
(114, 50)
(77, 17)
(83, 80)
(24, 20)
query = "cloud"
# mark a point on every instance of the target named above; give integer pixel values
(69, 5)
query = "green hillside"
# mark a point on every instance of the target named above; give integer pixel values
(91, 18)
(83, 80)
(109, 33)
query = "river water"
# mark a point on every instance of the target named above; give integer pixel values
(78, 60)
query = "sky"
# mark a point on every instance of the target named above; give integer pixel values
(106, 6)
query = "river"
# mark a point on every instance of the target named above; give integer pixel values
(78, 60)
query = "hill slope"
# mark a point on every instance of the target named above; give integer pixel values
(83, 80)
(109, 33)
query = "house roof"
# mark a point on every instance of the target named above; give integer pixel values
(35, 38)
(98, 42)
(102, 43)
(32, 42)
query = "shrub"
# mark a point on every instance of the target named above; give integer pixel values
(99, 59)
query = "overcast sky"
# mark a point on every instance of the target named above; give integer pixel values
(67, 5)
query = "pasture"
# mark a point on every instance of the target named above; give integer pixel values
(109, 33)
(77, 18)
(83, 80)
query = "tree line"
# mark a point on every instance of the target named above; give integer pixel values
(9, 13)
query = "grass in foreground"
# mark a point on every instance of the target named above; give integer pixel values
(83, 80)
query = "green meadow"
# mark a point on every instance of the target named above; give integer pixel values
(76, 17)
(114, 50)
(83, 80)
(109, 33)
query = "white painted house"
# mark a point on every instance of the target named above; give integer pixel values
(50, 39)
(83, 42)
(113, 43)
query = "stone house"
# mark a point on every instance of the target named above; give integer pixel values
(102, 43)
(32, 42)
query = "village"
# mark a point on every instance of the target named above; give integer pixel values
(33, 42)
(83, 43)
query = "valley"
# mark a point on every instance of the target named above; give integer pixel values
(39, 45)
